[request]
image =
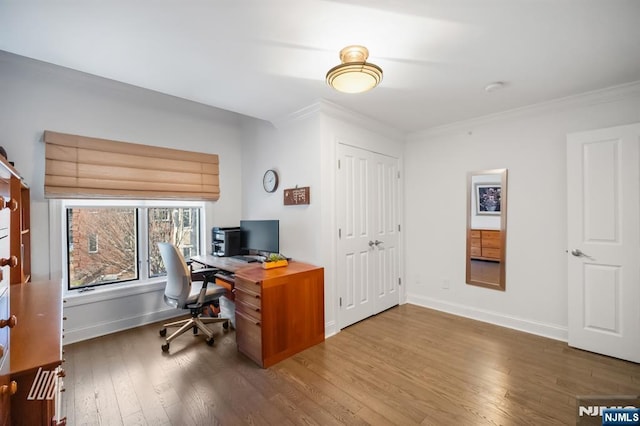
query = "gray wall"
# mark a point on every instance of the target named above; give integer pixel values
(36, 96)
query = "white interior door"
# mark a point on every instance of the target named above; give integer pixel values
(603, 203)
(368, 271)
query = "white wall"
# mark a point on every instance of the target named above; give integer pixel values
(530, 143)
(36, 96)
(302, 147)
(293, 150)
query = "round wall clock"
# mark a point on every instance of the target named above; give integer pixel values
(270, 181)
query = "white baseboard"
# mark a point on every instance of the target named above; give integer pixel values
(121, 324)
(551, 331)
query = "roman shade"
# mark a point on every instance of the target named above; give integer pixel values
(85, 167)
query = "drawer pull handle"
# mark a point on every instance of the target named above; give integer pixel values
(12, 261)
(10, 389)
(62, 373)
(11, 204)
(11, 322)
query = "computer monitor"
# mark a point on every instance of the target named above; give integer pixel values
(258, 236)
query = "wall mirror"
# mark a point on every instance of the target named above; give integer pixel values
(487, 228)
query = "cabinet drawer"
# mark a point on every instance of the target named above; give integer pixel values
(249, 337)
(491, 243)
(4, 331)
(475, 242)
(490, 235)
(491, 253)
(474, 233)
(248, 286)
(476, 251)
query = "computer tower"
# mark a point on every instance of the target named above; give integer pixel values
(225, 241)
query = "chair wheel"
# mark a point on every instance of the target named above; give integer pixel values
(165, 347)
(210, 341)
(225, 325)
(163, 332)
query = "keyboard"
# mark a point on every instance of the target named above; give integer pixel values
(247, 259)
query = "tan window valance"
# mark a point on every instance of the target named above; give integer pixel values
(83, 167)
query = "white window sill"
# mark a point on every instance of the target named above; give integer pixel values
(109, 292)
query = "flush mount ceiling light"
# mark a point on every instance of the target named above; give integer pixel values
(354, 74)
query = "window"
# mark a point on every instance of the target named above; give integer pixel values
(93, 243)
(127, 236)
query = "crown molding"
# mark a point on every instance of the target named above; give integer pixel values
(606, 95)
(325, 107)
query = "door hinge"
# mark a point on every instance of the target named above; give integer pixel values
(398, 174)
(398, 227)
(341, 302)
(338, 163)
(399, 281)
(339, 232)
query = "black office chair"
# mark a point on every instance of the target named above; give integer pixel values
(183, 293)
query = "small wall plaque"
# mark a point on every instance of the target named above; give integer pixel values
(297, 196)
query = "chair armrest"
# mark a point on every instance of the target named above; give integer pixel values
(203, 274)
(208, 275)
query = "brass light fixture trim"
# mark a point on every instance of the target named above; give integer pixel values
(354, 74)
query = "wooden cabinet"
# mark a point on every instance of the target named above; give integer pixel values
(21, 232)
(36, 354)
(8, 262)
(485, 244)
(279, 312)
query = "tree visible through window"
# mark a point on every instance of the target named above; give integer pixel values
(104, 243)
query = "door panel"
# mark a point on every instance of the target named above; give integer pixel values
(354, 263)
(603, 206)
(387, 231)
(367, 247)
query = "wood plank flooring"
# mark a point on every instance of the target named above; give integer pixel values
(406, 366)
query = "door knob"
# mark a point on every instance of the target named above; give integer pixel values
(377, 243)
(577, 253)
(371, 243)
(10, 322)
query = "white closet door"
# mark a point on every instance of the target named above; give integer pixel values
(603, 203)
(368, 271)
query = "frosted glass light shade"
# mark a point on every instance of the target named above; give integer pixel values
(354, 75)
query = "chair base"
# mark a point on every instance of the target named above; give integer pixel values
(194, 323)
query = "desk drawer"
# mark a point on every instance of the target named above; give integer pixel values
(248, 286)
(249, 336)
(248, 298)
(249, 310)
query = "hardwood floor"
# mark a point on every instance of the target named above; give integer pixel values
(406, 366)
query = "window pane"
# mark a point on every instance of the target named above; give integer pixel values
(176, 225)
(101, 245)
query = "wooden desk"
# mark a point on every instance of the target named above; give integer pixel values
(228, 264)
(278, 312)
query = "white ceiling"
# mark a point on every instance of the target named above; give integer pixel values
(268, 58)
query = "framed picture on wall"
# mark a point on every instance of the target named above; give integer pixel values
(488, 197)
